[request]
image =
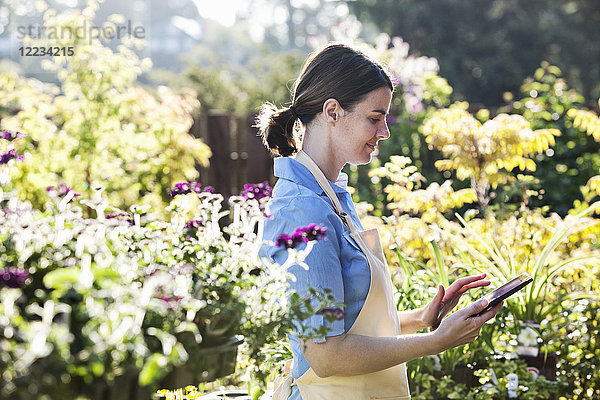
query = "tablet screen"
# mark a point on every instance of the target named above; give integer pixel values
(508, 288)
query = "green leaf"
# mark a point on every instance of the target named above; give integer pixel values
(98, 368)
(152, 369)
(491, 267)
(257, 393)
(62, 278)
(493, 252)
(443, 273)
(104, 273)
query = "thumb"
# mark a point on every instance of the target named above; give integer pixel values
(476, 307)
(439, 296)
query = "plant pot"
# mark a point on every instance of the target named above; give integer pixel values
(544, 362)
(459, 375)
(205, 365)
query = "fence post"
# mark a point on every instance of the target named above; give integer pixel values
(218, 138)
(260, 163)
(239, 155)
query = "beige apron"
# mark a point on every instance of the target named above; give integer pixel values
(377, 318)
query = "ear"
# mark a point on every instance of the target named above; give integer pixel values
(332, 111)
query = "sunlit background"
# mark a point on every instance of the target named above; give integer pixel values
(484, 48)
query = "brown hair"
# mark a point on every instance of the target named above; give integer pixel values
(337, 71)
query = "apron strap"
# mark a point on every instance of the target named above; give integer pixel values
(314, 169)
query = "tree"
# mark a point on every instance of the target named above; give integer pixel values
(486, 48)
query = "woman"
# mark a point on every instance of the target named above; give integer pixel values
(340, 102)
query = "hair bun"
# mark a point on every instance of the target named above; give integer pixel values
(276, 128)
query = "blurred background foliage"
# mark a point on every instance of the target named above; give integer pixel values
(98, 125)
(534, 59)
(486, 48)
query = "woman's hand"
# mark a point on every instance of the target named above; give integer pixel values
(446, 299)
(463, 327)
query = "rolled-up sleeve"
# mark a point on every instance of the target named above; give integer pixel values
(324, 266)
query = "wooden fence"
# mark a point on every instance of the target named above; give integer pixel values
(238, 155)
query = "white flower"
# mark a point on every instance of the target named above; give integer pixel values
(528, 337)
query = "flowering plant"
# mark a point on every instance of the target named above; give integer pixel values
(87, 302)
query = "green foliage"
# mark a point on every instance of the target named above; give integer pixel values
(529, 388)
(404, 197)
(225, 87)
(579, 347)
(428, 386)
(547, 102)
(98, 126)
(416, 289)
(484, 153)
(587, 121)
(539, 300)
(485, 49)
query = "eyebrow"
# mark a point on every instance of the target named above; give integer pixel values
(380, 111)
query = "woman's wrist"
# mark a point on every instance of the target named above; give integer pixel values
(412, 321)
(422, 317)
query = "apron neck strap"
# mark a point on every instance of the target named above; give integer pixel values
(314, 169)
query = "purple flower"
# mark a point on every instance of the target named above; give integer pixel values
(172, 302)
(332, 312)
(196, 187)
(170, 299)
(417, 107)
(10, 136)
(310, 232)
(285, 241)
(301, 235)
(397, 81)
(179, 188)
(122, 217)
(61, 191)
(188, 187)
(13, 277)
(257, 190)
(193, 224)
(11, 154)
(391, 120)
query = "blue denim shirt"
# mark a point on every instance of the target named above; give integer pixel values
(335, 262)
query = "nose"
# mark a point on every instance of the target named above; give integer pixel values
(383, 132)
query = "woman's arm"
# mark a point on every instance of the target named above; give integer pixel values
(347, 355)
(412, 321)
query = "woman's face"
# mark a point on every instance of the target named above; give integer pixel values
(364, 126)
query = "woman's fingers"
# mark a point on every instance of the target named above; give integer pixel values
(461, 327)
(473, 285)
(486, 316)
(439, 296)
(463, 284)
(474, 308)
(469, 279)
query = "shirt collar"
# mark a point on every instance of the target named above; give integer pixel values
(290, 169)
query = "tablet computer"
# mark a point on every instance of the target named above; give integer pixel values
(505, 291)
